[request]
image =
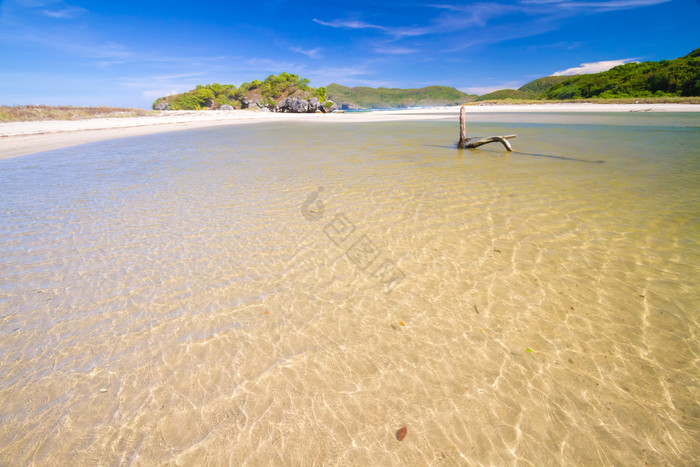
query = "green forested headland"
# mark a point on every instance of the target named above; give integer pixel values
(679, 77)
(265, 93)
(385, 98)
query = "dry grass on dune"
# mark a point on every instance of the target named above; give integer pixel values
(33, 113)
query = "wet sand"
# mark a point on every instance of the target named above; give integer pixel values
(23, 138)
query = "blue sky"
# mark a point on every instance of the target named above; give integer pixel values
(128, 53)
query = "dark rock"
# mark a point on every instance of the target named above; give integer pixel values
(314, 104)
(328, 107)
(282, 105)
(293, 105)
(247, 103)
(163, 105)
(298, 106)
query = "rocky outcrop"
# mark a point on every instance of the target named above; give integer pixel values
(162, 105)
(293, 105)
(248, 103)
(328, 107)
(298, 105)
(314, 105)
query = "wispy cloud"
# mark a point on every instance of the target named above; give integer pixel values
(478, 16)
(311, 53)
(348, 24)
(359, 75)
(608, 5)
(107, 64)
(594, 67)
(154, 86)
(56, 9)
(392, 50)
(272, 65)
(67, 12)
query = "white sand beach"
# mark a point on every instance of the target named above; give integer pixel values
(23, 138)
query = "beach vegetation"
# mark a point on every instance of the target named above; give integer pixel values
(35, 113)
(268, 92)
(320, 94)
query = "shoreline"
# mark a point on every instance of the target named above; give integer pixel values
(25, 138)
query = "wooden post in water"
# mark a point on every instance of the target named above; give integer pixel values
(465, 142)
(462, 128)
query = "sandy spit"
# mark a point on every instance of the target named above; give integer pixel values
(23, 138)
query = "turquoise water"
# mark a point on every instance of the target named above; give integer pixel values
(296, 293)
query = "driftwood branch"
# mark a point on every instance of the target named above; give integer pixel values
(471, 143)
(492, 139)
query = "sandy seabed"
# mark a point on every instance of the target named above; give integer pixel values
(22, 138)
(182, 299)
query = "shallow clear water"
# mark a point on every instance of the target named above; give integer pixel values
(295, 293)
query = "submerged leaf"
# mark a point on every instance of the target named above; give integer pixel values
(401, 434)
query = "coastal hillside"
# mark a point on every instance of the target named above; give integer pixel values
(285, 92)
(385, 98)
(532, 90)
(679, 77)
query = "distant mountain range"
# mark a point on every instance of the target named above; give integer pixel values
(392, 98)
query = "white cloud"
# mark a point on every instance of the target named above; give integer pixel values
(395, 50)
(609, 5)
(312, 53)
(259, 64)
(178, 76)
(106, 64)
(461, 17)
(156, 93)
(594, 67)
(68, 12)
(348, 24)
